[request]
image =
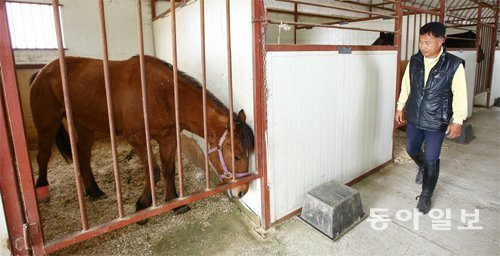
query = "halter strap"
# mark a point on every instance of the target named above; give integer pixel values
(227, 174)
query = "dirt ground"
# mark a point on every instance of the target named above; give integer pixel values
(61, 216)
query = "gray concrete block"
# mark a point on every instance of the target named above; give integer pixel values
(466, 135)
(332, 208)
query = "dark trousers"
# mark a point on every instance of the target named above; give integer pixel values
(416, 137)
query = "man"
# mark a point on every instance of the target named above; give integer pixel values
(433, 93)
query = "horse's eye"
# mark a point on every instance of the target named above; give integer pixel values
(237, 158)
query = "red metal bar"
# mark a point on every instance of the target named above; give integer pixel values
(176, 101)
(204, 85)
(441, 10)
(492, 59)
(407, 35)
(20, 149)
(295, 19)
(230, 83)
(337, 8)
(153, 9)
(69, 115)
(420, 22)
(398, 26)
(109, 101)
(415, 33)
(419, 10)
(145, 103)
(12, 202)
(77, 237)
(286, 48)
(260, 125)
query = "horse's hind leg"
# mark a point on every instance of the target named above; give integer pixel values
(85, 142)
(47, 117)
(46, 133)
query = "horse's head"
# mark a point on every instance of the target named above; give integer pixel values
(385, 39)
(221, 155)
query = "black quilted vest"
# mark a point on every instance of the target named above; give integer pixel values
(430, 108)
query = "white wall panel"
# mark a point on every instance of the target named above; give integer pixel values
(4, 234)
(80, 22)
(495, 82)
(330, 116)
(189, 58)
(470, 75)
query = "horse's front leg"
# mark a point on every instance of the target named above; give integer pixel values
(167, 153)
(145, 200)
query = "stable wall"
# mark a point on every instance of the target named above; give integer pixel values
(495, 82)
(4, 234)
(189, 59)
(80, 22)
(470, 75)
(330, 117)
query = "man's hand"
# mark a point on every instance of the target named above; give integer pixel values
(453, 131)
(399, 117)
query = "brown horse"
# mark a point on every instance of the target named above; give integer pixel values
(87, 94)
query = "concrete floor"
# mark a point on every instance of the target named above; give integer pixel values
(469, 180)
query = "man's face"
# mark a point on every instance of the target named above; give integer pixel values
(429, 45)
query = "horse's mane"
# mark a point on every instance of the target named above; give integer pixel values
(246, 133)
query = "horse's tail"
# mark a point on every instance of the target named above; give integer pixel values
(63, 144)
(33, 76)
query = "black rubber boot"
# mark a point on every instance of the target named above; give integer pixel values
(419, 160)
(430, 177)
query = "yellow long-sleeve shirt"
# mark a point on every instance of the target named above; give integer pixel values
(458, 88)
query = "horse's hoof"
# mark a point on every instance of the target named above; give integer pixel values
(42, 194)
(142, 222)
(182, 209)
(96, 195)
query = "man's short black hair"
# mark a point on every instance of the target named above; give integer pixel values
(437, 29)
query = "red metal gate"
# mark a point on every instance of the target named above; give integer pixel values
(487, 36)
(17, 186)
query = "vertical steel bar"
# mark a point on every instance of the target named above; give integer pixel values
(145, 104)
(20, 149)
(441, 11)
(204, 85)
(415, 34)
(109, 101)
(260, 125)
(69, 114)
(478, 84)
(176, 100)
(153, 9)
(295, 19)
(230, 83)
(420, 25)
(407, 36)
(14, 212)
(492, 53)
(398, 27)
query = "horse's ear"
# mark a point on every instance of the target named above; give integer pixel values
(241, 116)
